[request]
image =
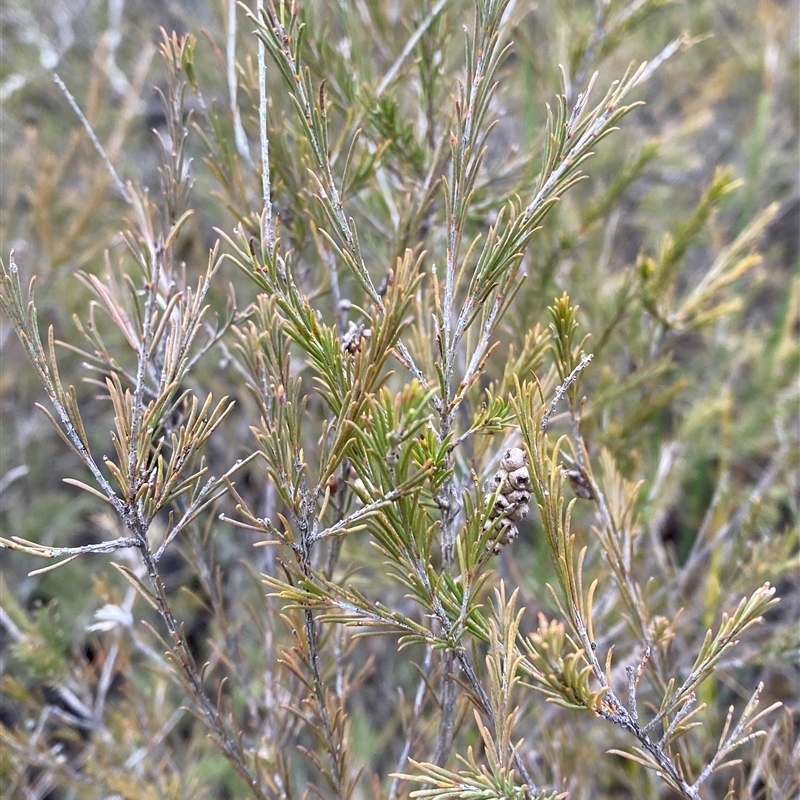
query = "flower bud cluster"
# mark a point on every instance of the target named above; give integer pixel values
(514, 483)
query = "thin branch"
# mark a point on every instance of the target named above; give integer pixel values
(269, 225)
(200, 501)
(120, 186)
(657, 61)
(680, 715)
(614, 711)
(34, 549)
(733, 741)
(342, 525)
(391, 73)
(447, 711)
(412, 725)
(562, 389)
(409, 46)
(240, 137)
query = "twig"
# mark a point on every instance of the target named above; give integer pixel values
(32, 548)
(447, 711)
(197, 504)
(229, 746)
(240, 137)
(342, 525)
(15, 473)
(657, 61)
(614, 711)
(391, 73)
(121, 188)
(409, 46)
(484, 702)
(269, 225)
(680, 715)
(733, 741)
(562, 389)
(412, 725)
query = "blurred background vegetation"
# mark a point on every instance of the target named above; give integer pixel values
(703, 408)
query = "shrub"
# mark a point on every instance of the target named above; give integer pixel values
(514, 447)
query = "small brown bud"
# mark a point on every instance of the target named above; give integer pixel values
(353, 337)
(580, 485)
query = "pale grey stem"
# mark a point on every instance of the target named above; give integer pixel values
(341, 526)
(483, 342)
(632, 705)
(30, 339)
(187, 516)
(230, 747)
(408, 362)
(10, 626)
(340, 306)
(240, 137)
(447, 702)
(730, 742)
(634, 673)
(597, 35)
(391, 73)
(657, 61)
(122, 543)
(112, 37)
(409, 46)
(269, 226)
(412, 726)
(453, 234)
(120, 186)
(584, 141)
(485, 705)
(562, 389)
(680, 715)
(614, 711)
(109, 664)
(15, 473)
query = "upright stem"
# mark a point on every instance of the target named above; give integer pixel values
(269, 226)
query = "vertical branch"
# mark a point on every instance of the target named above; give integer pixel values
(465, 160)
(269, 226)
(240, 137)
(412, 725)
(335, 749)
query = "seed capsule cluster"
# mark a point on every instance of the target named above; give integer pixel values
(514, 483)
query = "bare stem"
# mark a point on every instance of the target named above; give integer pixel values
(269, 225)
(240, 137)
(562, 389)
(412, 725)
(121, 188)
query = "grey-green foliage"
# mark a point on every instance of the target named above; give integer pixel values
(422, 287)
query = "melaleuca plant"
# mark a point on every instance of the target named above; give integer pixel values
(410, 405)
